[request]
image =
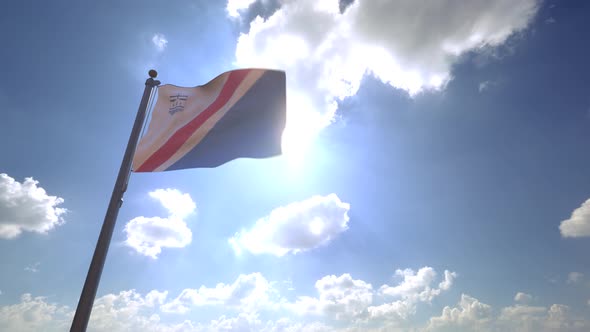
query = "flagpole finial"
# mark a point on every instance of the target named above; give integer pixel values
(153, 73)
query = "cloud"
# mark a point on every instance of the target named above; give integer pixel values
(574, 277)
(34, 268)
(472, 315)
(529, 318)
(242, 322)
(127, 311)
(148, 235)
(346, 299)
(234, 7)
(486, 85)
(33, 314)
(415, 287)
(159, 41)
(578, 224)
(25, 207)
(250, 303)
(468, 315)
(340, 297)
(294, 228)
(523, 298)
(179, 205)
(248, 292)
(407, 44)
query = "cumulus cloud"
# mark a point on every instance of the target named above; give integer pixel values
(346, 299)
(127, 311)
(574, 277)
(468, 315)
(339, 297)
(295, 228)
(418, 286)
(343, 304)
(486, 85)
(33, 314)
(131, 311)
(550, 20)
(521, 313)
(33, 268)
(234, 7)
(578, 224)
(25, 207)
(472, 315)
(523, 298)
(159, 41)
(415, 287)
(407, 44)
(248, 292)
(148, 235)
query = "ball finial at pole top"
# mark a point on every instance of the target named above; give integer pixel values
(153, 73)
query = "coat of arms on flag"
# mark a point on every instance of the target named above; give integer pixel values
(177, 103)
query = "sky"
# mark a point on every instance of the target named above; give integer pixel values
(435, 174)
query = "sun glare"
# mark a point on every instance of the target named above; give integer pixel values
(316, 226)
(303, 125)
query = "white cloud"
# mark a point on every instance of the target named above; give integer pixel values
(486, 85)
(407, 44)
(179, 205)
(127, 311)
(33, 314)
(295, 228)
(234, 7)
(148, 235)
(346, 299)
(472, 315)
(578, 224)
(414, 287)
(550, 20)
(250, 303)
(34, 268)
(399, 310)
(155, 298)
(289, 325)
(159, 41)
(468, 315)
(574, 277)
(25, 207)
(122, 312)
(339, 297)
(521, 313)
(523, 298)
(248, 292)
(417, 286)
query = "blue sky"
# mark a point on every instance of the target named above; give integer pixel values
(431, 156)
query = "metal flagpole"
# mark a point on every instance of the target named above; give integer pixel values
(84, 308)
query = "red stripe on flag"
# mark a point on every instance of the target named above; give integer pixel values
(183, 134)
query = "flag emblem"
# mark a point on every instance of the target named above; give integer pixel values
(177, 103)
(239, 114)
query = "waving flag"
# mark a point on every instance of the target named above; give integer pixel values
(239, 114)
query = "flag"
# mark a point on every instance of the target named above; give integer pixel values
(239, 114)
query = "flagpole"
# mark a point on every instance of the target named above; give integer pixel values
(86, 301)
